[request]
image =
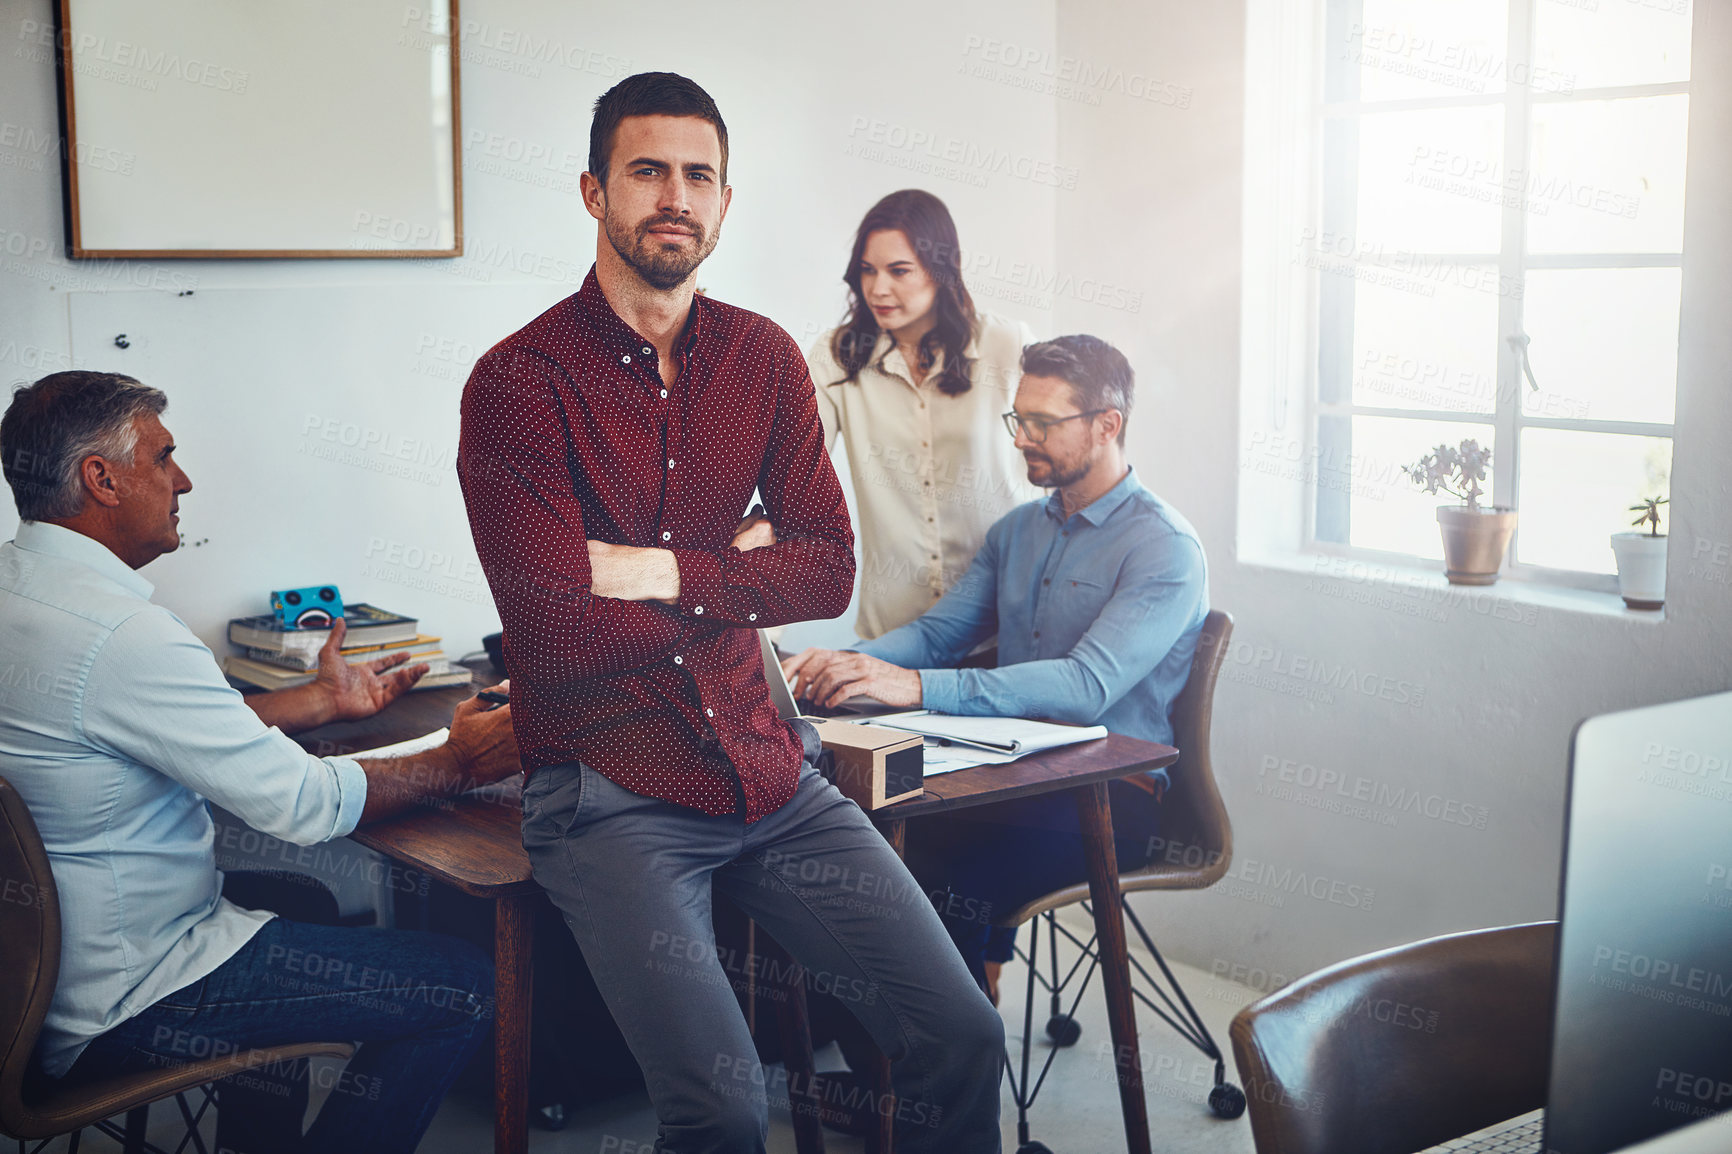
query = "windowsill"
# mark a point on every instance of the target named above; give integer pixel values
(1424, 592)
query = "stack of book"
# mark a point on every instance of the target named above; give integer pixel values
(271, 655)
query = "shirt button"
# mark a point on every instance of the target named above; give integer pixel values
(1048, 581)
(751, 617)
(666, 536)
(625, 360)
(1037, 633)
(647, 350)
(678, 660)
(664, 393)
(670, 462)
(699, 610)
(709, 713)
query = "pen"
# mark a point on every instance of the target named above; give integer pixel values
(494, 700)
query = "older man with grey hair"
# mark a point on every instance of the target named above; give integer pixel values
(116, 726)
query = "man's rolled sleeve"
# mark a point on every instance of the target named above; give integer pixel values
(940, 690)
(350, 781)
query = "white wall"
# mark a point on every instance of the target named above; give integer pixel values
(1490, 702)
(315, 401)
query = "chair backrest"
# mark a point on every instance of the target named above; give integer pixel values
(1196, 835)
(1400, 1050)
(29, 951)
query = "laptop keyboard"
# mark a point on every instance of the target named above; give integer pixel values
(1518, 1136)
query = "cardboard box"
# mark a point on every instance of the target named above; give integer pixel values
(875, 766)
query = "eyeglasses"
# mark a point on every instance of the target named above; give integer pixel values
(1035, 428)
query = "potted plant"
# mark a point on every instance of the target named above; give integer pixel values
(1642, 558)
(1474, 539)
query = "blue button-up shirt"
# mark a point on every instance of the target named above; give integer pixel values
(115, 725)
(1097, 616)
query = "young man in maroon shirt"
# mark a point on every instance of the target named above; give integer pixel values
(607, 452)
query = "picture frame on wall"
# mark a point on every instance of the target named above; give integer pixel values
(313, 129)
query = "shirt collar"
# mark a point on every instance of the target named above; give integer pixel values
(608, 326)
(71, 545)
(1097, 511)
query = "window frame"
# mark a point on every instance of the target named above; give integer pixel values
(1328, 391)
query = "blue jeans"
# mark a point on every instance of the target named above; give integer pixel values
(418, 1003)
(633, 877)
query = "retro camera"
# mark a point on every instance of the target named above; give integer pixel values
(315, 607)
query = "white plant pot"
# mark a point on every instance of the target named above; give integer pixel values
(1641, 569)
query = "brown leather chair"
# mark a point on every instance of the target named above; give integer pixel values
(29, 968)
(1400, 1050)
(1196, 847)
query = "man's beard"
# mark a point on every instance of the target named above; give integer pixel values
(660, 268)
(1058, 478)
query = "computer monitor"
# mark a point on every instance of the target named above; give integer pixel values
(1642, 1039)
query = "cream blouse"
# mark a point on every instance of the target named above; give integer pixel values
(931, 472)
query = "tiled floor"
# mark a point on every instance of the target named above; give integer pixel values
(1077, 1111)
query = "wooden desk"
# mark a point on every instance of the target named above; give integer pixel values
(1083, 771)
(476, 845)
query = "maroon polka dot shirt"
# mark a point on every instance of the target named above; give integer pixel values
(569, 433)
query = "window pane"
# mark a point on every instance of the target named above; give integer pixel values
(1575, 490)
(1428, 182)
(1403, 49)
(1434, 347)
(1600, 44)
(1388, 510)
(1607, 176)
(1604, 344)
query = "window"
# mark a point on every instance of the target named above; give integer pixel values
(1495, 253)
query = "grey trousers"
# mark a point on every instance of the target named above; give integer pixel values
(633, 877)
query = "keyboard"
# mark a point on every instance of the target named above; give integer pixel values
(1521, 1135)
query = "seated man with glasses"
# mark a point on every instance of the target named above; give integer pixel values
(1097, 594)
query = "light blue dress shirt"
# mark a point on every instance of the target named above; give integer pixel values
(1097, 617)
(115, 726)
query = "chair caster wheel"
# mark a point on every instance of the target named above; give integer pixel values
(1033, 1148)
(1063, 1029)
(552, 1117)
(1227, 1100)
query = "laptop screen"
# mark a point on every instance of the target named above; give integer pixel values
(1642, 1040)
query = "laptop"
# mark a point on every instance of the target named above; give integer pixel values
(782, 693)
(1642, 1032)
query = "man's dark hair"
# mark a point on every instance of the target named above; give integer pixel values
(52, 426)
(649, 94)
(1098, 374)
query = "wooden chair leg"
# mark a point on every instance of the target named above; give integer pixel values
(794, 1025)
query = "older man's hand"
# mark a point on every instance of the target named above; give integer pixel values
(828, 677)
(362, 689)
(483, 741)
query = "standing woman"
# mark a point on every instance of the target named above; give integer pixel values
(913, 382)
